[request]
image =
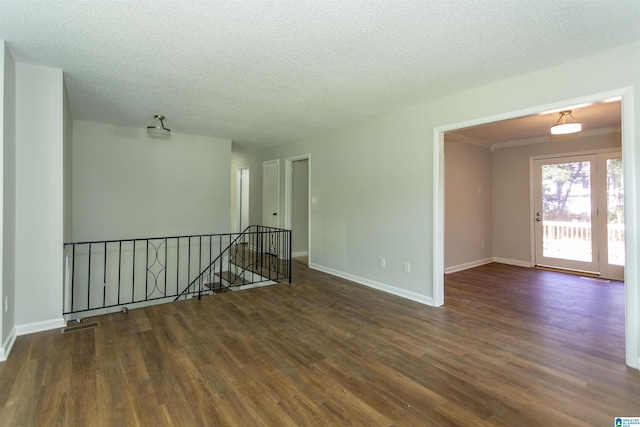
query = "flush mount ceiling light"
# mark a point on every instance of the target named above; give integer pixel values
(157, 127)
(563, 127)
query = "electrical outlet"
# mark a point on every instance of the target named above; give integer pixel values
(407, 267)
(383, 263)
(6, 304)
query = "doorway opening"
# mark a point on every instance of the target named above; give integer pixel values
(632, 308)
(297, 204)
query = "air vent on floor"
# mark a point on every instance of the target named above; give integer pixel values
(79, 327)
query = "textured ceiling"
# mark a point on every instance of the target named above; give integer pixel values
(268, 72)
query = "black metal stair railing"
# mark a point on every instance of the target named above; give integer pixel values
(101, 276)
(258, 255)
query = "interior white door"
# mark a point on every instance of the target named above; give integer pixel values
(578, 214)
(300, 207)
(271, 193)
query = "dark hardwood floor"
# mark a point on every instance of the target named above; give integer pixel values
(511, 347)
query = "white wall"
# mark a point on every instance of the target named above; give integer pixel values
(67, 168)
(468, 206)
(511, 190)
(378, 190)
(371, 202)
(127, 184)
(2, 167)
(39, 197)
(8, 191)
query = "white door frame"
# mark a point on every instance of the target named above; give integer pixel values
(288, 194)
(239, 195)
(536, 195)
(632, 210)
(607, 271)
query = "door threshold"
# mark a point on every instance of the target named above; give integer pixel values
(569, 271)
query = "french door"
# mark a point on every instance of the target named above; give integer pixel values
(578, 213)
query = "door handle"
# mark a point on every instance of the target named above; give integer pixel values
(275, 214)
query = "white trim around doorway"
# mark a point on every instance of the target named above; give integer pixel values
(238, 194)
(288, 169)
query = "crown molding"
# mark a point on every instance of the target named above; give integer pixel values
(453, 137)
(555, 138)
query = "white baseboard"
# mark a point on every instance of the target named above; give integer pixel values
(516, 262)
(8, 345)
(375, 285)
(45, 325)
(467, 265)
(115, 309)
(297, 254)
(478, 263)
(238, 288)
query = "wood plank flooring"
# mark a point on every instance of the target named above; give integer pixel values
(511, 346)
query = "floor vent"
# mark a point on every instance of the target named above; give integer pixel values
(79, 327)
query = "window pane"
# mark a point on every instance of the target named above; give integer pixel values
(566, 216)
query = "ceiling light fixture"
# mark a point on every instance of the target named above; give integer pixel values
(157, 127)
(562, 127)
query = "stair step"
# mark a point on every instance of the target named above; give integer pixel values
(232, 278)
(215, 286)
(262, 270)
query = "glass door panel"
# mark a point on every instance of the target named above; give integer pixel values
(615, 212)
(566, 217)
(611, 192)
(579, 213)
(564, 211)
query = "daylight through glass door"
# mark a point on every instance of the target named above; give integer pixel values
(566, 211)
(615, 212)
(579, 213)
